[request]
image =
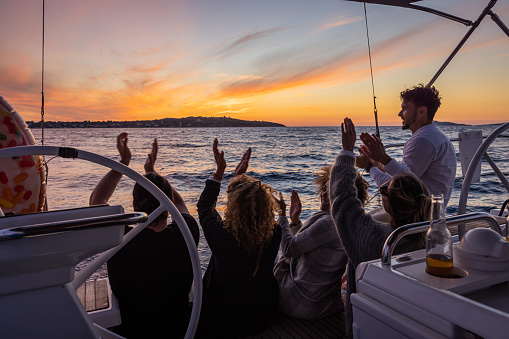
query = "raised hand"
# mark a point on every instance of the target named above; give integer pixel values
(348, 135)
(295, 208)
(362, 160)
(282, 205)
(105, 188)
(220, 162)
(243, 164)
(125, 153)
(151, 158)
(374, 148)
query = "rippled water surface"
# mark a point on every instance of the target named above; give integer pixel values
(284, 157)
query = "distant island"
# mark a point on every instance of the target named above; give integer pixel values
(166, 122)
(446, 123)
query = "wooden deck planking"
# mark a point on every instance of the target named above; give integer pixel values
(284, 327)
(296, 326)
(308, 332)
(90, 296)
(93, 294)
(337, 325)
(81, 294)
(101, 290)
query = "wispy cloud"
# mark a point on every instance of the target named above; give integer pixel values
(316, 66)
(241, 43)
(338, 21)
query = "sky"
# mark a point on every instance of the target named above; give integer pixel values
(295, 62)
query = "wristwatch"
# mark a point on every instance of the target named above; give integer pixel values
(368, 166)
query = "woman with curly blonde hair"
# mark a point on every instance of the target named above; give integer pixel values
(249, 214)
(239, 290)
(313, 258)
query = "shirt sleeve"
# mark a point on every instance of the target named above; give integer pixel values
(193, 227)
(378, 176)
(210, 221)
(417, 156)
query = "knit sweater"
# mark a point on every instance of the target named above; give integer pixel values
(310, 268)
(362, 237)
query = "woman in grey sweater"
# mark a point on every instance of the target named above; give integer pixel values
(313, 259)
(405, 198)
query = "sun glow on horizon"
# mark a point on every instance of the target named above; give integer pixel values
(306, 67)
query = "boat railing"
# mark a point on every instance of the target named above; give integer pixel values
(456, 220)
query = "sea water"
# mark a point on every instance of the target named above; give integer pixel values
(286, 158)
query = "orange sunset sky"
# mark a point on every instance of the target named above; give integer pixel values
(299, 63)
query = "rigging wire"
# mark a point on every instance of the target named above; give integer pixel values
(377, 131)
(42, 78)
(371, 69)
(42, 107)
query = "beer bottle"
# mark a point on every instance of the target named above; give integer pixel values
(438, 241)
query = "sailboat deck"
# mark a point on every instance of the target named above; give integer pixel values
(94, 296)
(283, 327)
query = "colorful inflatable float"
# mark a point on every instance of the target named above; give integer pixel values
(22, 179)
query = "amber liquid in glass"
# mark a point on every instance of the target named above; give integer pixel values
(439, 265)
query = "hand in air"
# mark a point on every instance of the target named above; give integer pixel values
(220, 162)
(123, 150)
(348, 135)
(374, 148)
(151, 158)
(362, 160)
(243, 164)
(295, 208)
(282, 205)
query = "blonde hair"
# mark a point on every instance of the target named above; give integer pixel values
(249, 215)
(361, 184)
(323, 178)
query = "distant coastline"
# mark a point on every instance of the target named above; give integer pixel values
(202, 122)
(166, 122)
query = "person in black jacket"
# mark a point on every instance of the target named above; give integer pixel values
(151, 275)
(240, 292)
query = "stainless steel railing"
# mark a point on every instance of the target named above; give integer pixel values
(400, 232)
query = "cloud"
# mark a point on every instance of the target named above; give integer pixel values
(339, 21)
(231, 111)
(320, 65)
(244, 41)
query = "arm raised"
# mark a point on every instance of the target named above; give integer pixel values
(105, 188)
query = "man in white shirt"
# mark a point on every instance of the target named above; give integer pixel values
(428, 154)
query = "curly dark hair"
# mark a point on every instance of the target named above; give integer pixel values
(422, 95)
(146, 202)
(249, 215)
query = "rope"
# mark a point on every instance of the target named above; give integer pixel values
(371, 69)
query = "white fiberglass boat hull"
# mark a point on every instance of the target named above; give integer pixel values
(403, 301)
